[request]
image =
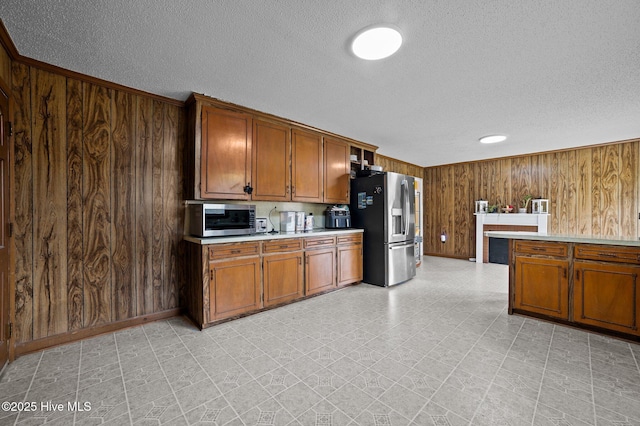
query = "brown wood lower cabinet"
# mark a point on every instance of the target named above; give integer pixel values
(283, 277)
(542, 286)
(320, 270)
(606, 295)
(231, 279)
(588, 285)
(234, 287)
(349, 259)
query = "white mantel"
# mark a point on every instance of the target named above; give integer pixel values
(508, 219)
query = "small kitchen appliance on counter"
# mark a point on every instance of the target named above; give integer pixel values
(337, 217)
(287, 221)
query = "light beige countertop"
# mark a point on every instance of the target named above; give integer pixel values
(565, 238)
(263, 237)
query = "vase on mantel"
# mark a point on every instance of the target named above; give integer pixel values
(522, 210)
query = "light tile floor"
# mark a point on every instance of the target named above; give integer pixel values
(438, 350)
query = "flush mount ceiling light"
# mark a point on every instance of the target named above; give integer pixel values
(492, 139)
(376, 42)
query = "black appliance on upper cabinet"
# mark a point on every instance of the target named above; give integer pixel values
(383, 205)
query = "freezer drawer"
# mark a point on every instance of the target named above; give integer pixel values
(401, 263)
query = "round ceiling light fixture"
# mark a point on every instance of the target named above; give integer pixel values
(493, 139)
(377, 42)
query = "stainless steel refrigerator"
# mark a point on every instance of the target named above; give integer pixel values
(383, 205)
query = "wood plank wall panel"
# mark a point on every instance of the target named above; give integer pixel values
(172, 196)
(592, 191)
(48, 123)
(96, 216)
(584, 192)
(392, 165)
(23, 186)
(75, 264)
(144, 203)
(123, 264)
(157, 155)
(463, 220)
(628, 187)
(97, 196)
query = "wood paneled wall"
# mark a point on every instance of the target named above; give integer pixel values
(592, 191)
(392, 165)
(98, 204)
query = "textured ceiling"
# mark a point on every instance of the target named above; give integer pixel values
(551, 74)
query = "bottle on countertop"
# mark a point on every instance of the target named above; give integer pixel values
(308, 224)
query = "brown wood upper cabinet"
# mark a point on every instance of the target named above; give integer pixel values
(336, 171)
(306, 166)
(270, 163)
(241, 154)
(225, 160)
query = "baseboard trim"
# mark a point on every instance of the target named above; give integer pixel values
(72, 336)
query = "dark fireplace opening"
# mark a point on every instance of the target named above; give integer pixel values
(499, 250)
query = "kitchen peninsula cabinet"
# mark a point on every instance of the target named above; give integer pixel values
(349, 259)
(306, 166)
(576, 280)
(283, 272)
(606, 292)
(233, 276)
(541, 280)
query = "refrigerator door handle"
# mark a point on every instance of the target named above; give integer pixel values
(403, 201)
(406, 206)
(402, 246)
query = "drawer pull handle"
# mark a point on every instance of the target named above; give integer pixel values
(235, 251)
(607, 254)
(538, 249)
(284, 246)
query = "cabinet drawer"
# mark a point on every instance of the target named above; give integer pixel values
(226, 251)
(350, 239)
(543, 248)
(319, 242)
(608, 253)
(280, 246)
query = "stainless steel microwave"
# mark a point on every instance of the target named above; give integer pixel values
(217, 220)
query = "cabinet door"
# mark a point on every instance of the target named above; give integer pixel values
(606, 295)
(306, 166)
(234, 287)
(283, 278)
(320, 270)
(542, 286)
(270, 165)
(226, 154)
(336, 171)
(349, 264)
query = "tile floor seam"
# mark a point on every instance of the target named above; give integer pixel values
(593, 387)
(497, 371)
(458, 363)
(124, 386)
(544, 372)
(78, 382)
(164, 374)
(31, 383)
(222, 394)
